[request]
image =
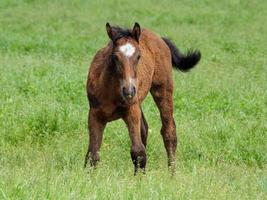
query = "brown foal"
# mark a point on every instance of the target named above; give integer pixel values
(121, 74)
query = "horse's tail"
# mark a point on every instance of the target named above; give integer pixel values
(183, 62)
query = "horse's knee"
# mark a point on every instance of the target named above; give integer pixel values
(138, 154)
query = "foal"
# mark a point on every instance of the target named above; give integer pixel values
(121, 74)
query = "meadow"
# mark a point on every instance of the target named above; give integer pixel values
(220, 106)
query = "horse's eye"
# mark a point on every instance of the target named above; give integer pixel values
(138, 57)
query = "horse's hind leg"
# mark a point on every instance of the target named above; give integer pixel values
(144, 129)
(162, 94)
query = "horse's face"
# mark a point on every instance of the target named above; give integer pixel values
(125, 56)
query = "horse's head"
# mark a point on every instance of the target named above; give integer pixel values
(125, 56)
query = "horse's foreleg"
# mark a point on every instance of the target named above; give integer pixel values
(133, 122)
(96, 128)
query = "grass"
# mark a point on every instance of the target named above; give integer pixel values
(220, 107)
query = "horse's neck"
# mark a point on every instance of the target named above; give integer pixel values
(106, 83)
(107, 77)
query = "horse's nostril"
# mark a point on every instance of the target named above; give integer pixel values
(124, 91)
(133, 91)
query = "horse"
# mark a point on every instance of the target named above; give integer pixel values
(134, 62)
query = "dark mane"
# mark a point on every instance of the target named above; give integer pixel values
(121, 32)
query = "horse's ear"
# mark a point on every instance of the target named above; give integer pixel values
(136, 31)
(110, 32)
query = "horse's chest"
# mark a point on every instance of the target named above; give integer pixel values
(110, 112)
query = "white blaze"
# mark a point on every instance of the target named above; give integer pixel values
(127, 49)
(132, 82)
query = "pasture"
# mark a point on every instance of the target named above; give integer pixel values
(220, 106)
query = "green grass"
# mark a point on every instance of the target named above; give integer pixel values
(220, 107)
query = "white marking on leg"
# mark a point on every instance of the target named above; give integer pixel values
(127, 49)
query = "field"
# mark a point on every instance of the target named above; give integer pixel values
(220, 106)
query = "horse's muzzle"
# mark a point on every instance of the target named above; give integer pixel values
(129, 93)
